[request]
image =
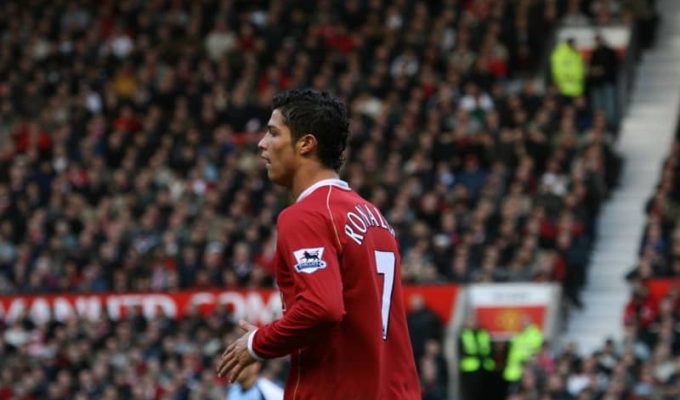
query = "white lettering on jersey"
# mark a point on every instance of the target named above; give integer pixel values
(367, 214)
(309, 260)
(353, 235)
(365, 217)
(358, 223)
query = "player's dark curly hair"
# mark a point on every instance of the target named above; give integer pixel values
(308, 111)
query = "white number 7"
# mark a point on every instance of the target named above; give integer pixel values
(385, 263)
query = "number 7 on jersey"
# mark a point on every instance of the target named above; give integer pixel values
(385, 264)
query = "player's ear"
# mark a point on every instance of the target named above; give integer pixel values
(307, 144)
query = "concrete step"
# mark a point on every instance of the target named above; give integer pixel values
(619, 223)
(613, 236)
(602, 298)
(585, 345)
(652, 110)
(593, 332)
(608, 252)
(615, 270)
(630, 195)
(647, 88)
(629, 253)
(662, 68)
(663, 71)
(607, 286)
(612, 267)
(661, 58)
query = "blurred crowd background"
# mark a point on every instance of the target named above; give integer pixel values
(128, 162)
(653, 324)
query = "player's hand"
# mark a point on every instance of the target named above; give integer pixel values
(236, 357)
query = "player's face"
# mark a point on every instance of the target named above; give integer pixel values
(278, 150)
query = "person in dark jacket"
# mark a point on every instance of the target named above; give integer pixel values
(603, 69)
(423, 324)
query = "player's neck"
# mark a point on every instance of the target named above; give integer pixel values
(306, 177)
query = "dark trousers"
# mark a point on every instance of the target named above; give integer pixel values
(482, 385)
(494, 387)
(470, 385)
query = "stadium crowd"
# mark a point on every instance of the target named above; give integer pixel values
(653, 319)
(614, 372)
(134, 358)
(161, 358)
(660, 246)
(129, 135)
(128, 159)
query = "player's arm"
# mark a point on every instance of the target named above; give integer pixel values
(319, 297)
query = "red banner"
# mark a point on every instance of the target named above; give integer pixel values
(439, 298)
(258, 307)
(506, 321)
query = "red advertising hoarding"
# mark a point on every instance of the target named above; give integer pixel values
(256, 306)
(507, 320)
(501, 308)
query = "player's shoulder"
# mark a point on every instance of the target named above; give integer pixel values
(319, 204)
(302, 212)
(327, 194)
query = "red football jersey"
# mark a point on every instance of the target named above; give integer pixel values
(344, 324)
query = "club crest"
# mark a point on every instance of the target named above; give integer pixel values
(309, 260)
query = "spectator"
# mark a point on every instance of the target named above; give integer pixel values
(645, 18)
(603, 71)
(523, 346)
(251, 386)
(568, 71)
(423, 325)
(574, 16)
(652, 321)
(476, 363)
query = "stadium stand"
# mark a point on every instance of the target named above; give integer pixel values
(129, 141)
(660, 246)
(133, 358)
(652, 314)
(128, 162)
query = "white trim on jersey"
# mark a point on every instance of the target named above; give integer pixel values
(325, 182)
(250, 346)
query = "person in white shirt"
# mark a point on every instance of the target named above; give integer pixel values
(252, 386)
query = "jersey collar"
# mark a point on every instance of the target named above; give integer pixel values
(325, 182)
